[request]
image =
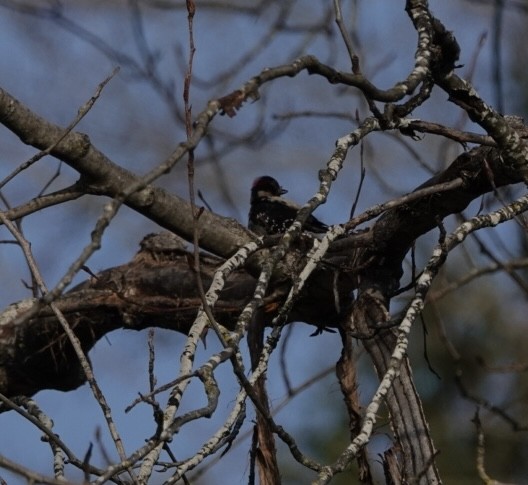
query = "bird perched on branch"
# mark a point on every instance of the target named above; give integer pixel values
(271, 214)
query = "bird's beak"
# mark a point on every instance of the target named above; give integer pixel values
(282, 191)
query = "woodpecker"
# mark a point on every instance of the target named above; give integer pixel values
(270, 213)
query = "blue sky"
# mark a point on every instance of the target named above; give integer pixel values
(54, 71)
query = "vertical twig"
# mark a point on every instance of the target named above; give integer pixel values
(481, 453)
(344, 33)
(346, 372)
(362, 172)
(191, 10)
(496, 62)
(263, 450)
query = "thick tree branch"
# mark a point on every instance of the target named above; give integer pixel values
(99, 175)
(158, 289)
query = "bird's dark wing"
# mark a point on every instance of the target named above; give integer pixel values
(273, 215)
(315, 225)
(269, 216)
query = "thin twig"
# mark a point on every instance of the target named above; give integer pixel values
(344, 32)
(76, 344)
(81, 113)
(50, 435)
